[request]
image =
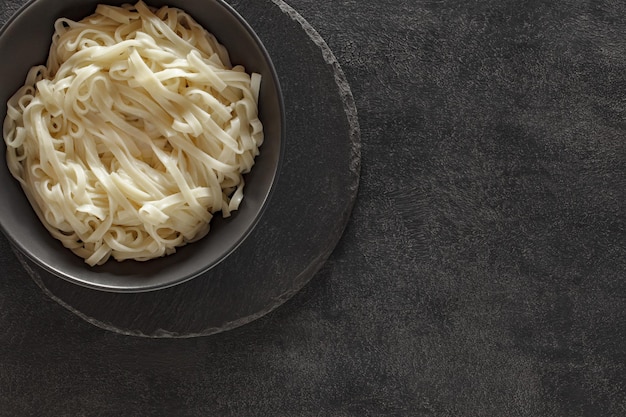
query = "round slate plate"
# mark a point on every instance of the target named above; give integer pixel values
(302, 224)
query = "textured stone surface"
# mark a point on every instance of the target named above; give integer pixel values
(481, 273)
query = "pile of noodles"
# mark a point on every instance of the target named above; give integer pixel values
(134, 134)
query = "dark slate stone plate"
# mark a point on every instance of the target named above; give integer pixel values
(301, 226)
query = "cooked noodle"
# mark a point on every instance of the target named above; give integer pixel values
(134, 134)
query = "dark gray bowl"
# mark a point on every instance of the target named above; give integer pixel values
(24, 42)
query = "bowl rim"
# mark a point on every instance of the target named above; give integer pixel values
(23, 251)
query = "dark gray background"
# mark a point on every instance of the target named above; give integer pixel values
(481, 274)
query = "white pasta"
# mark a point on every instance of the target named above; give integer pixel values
(134, 134)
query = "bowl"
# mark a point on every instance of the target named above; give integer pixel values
(25, 41)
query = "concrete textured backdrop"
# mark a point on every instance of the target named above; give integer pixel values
(481, 274)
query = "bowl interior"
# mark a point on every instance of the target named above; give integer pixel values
(25, 41)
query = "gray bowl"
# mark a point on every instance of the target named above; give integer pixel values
(24, 42)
